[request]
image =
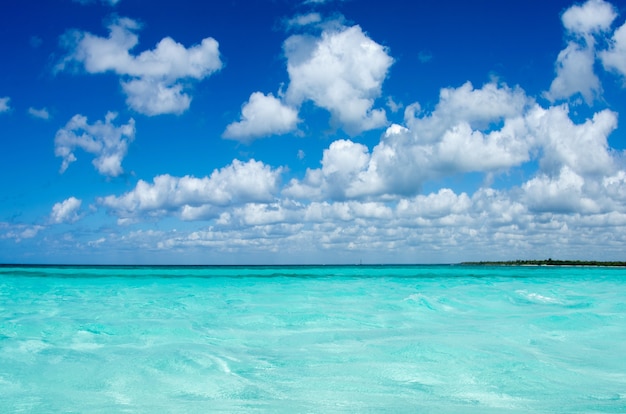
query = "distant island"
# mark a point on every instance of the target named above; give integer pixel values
(548, 262)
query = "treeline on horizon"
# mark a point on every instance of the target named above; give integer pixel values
(548, 262)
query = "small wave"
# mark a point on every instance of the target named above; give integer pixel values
(537, 298)
(577, 302)
(421, 300)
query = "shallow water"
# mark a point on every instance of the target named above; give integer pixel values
(418, 339)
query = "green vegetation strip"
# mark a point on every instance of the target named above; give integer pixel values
(548, 262)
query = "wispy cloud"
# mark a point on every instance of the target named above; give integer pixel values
(425, 56)
(108, 2)
(19, 232)
(4, 104)
(39, 113)
(303, 20)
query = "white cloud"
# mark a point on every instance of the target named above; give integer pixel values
(304, 20)
(546, 215)
(477, 107)
(151, 97)
(344, 174)
(434, 205)
(575, 74)
(457, 137)
(66, 211)
(151, 79)
(4, 104)
(592, 16)
(341, 71)
(103, 139)
(582, 147)
(288, 212)
(19, 232)
(488, 130)
(442, 226)
(564, 193)
(575, 64)
(39, 113)
(262, 115)
(615, 57)
(354, 203)
(195, 198)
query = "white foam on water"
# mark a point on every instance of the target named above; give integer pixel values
(32, 346)
(538, 298)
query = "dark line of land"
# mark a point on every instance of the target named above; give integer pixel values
(548, 262)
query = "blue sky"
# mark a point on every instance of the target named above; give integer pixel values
(311, 132)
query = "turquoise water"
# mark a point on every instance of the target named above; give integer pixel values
(414, 339)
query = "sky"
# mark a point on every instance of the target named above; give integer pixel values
(311, 132)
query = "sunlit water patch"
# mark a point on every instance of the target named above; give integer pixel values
(420, 339)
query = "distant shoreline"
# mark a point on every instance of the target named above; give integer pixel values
(548, 262)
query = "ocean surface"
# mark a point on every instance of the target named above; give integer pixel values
(308, 339)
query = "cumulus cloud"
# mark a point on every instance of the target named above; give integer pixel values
(458, 136)
(4, 104)
(262, 115)
(583, 148)
(575, 64)
(479, 108)
(562, 194)
(151, 79)
(367, 201)
(591, 17)
(104, 140)
(440, 226)
(196, 198)
(434, 205)
(341, 71)
(153, 97)
(488, 130)
(346, 172)
(39, 113)
(65, 211)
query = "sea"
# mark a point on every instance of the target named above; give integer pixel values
(312, 339)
